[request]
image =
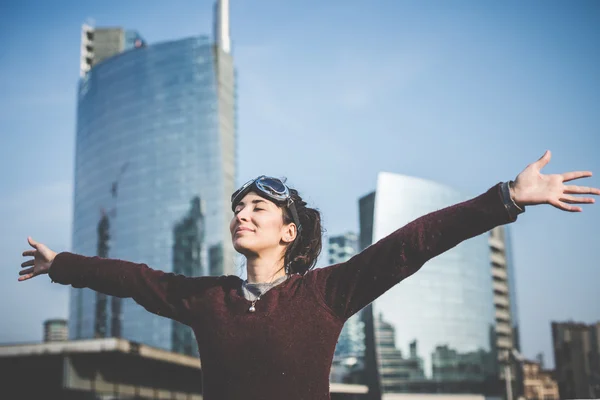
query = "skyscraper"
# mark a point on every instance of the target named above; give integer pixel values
(154, 169)
(442, 318)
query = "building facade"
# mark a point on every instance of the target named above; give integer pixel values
(577, 359)
(56, 330)
(505, 304)
(98, 44)
(348, 361)
(154, 169)
(443, 317)
(539, 384)
(352, 338)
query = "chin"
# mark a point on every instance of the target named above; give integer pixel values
(243, 245)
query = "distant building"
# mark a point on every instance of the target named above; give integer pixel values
(505, 302)
(447, 307)
(394, 368)
(352, 339)
(577, 359)
(348, 362)
(539, 383)
(56, 330)
(342, 247)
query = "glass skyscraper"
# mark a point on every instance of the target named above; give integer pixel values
(154, 169)
(435, 331)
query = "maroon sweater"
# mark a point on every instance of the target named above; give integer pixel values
(284, 350)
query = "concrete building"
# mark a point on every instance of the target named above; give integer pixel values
(505, 303)
(154, 168)
(98, 44)
(539, 384)
(56, 330)
(577, 359)
(110, 369)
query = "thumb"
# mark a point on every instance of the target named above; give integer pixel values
(544, 160)
(32, 242)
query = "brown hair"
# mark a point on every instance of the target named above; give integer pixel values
(301, 256)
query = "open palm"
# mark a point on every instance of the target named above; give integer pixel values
(42, 259)
(531, 187)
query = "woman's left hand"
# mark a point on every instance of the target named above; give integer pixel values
(531, 187)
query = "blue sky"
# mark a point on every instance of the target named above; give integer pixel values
(465, 93)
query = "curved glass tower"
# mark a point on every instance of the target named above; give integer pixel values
(154, 169)
(435, 331)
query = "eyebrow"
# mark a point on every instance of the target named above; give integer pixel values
(255, 201)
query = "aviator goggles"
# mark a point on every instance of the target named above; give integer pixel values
(271, 188)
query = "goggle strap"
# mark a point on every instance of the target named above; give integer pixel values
(292, 208)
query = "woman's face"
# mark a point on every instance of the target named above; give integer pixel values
(257, 226)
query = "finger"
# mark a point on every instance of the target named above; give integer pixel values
(572, 189)
(32, 242)
(26, 271)
(576, 200)
(543, 161)
(28, 263)
(29, 253)
(569, 176)
(565, 207)
(24, 278)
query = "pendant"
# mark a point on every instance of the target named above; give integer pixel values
(252, 309)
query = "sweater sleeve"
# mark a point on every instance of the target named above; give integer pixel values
(347, 287)
(166, 294)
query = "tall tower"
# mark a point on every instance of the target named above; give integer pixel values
(505, 304)
(155, 165)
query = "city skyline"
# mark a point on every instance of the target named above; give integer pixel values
(492, 85)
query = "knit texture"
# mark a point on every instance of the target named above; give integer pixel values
(284, 350)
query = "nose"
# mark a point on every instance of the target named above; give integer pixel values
(242, 215)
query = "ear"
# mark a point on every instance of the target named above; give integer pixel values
(289, 233)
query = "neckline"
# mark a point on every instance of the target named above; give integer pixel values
(276, 282)
(238, 289)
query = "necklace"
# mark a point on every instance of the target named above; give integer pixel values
(252, 308)
(258, 289)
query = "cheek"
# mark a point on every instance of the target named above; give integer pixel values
(269, 227)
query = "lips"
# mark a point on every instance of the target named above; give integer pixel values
(243, 229)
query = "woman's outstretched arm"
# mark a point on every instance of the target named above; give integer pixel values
(162, 293)
(348, 287)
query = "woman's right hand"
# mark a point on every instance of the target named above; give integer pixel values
(42, 260)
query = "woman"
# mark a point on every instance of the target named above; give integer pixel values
(273, 336)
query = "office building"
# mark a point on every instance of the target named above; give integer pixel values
(154, 169)
(443, 317)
